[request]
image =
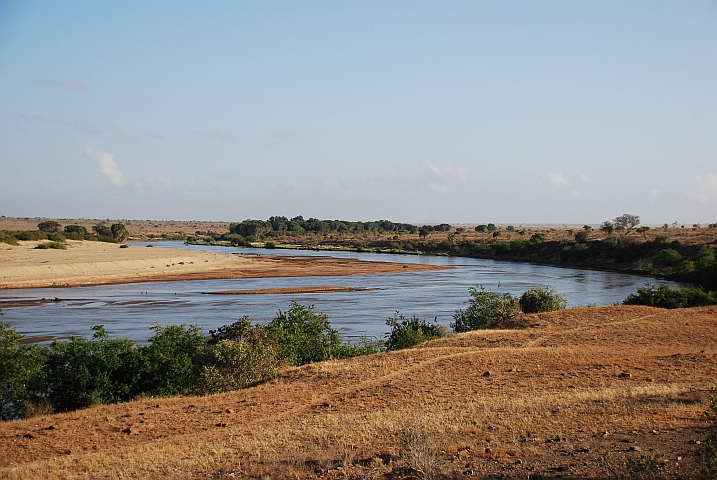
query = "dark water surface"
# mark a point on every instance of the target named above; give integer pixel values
(127, 311)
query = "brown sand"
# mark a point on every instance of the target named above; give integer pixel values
(98, 263)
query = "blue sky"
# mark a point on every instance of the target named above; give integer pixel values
(508, 112)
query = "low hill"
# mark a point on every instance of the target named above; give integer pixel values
(575, 393)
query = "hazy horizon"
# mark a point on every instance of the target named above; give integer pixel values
(546, 113)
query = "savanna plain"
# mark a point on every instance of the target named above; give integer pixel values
(619, 391)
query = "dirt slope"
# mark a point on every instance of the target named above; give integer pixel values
(555, 399)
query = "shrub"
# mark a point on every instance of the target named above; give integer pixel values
(706, 257)
(231, 365)
(167, 367)
(542, 299)
(537, 237)
(79, 229)
(667, 257)
(407, 332)
(484, 310)
(665, 296)
(5, 237)
(270, 245)
(55, 245)
(303, 334)
(20, 367)
(49, 226)
(576, 252)
(582, 236)
(32, 235)
(80, 373)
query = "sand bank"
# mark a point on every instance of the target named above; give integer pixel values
(97, 263)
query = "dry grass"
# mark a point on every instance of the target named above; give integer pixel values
(562, 394)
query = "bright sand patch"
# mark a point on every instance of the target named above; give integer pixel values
(98, 263)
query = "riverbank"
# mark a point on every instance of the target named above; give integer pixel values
(99, 263)
(582, 393)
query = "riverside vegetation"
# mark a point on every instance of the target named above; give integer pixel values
(180, 359)
(684, 255)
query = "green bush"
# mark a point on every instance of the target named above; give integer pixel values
(538, 237)
(407, 332)
(579, 251)
(31, 235)
(542, 299)
(76, 229)
(706, 258)
(667, 257)
(665, 296)
(80, 373)
(6, 237)
(49, 226)
(55, 245)
(231, 365)
(20, 368)
(167, 367)
(484, 310)
(304, 335)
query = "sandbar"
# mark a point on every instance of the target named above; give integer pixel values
(98, 263)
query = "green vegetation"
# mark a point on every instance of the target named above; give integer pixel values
(408, 332)
(49, 226)
(56, 245)
(542, 299)
(486, 308)
(665, 296)
(178, 359)
(20, 368)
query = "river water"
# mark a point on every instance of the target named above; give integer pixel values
(129, 310)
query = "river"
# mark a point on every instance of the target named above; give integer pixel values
(129, 310)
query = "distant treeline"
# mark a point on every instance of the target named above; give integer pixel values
(53, 231)
(256, 228)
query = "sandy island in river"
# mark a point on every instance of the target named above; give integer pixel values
(98, 263)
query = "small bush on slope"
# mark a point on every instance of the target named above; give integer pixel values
(407, 332)
(485, 309)
(542, 299)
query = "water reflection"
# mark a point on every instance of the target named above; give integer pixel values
(129, 310)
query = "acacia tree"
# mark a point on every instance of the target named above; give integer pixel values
(49, 226)
(626, 222)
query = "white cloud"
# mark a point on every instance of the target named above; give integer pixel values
(655, 193)
(556, 179)
(459, 174)
(462, 173)
(584, 178)
(433, 170)
(71, 84)
(705, 189)
(165, 182)
(106, 166)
